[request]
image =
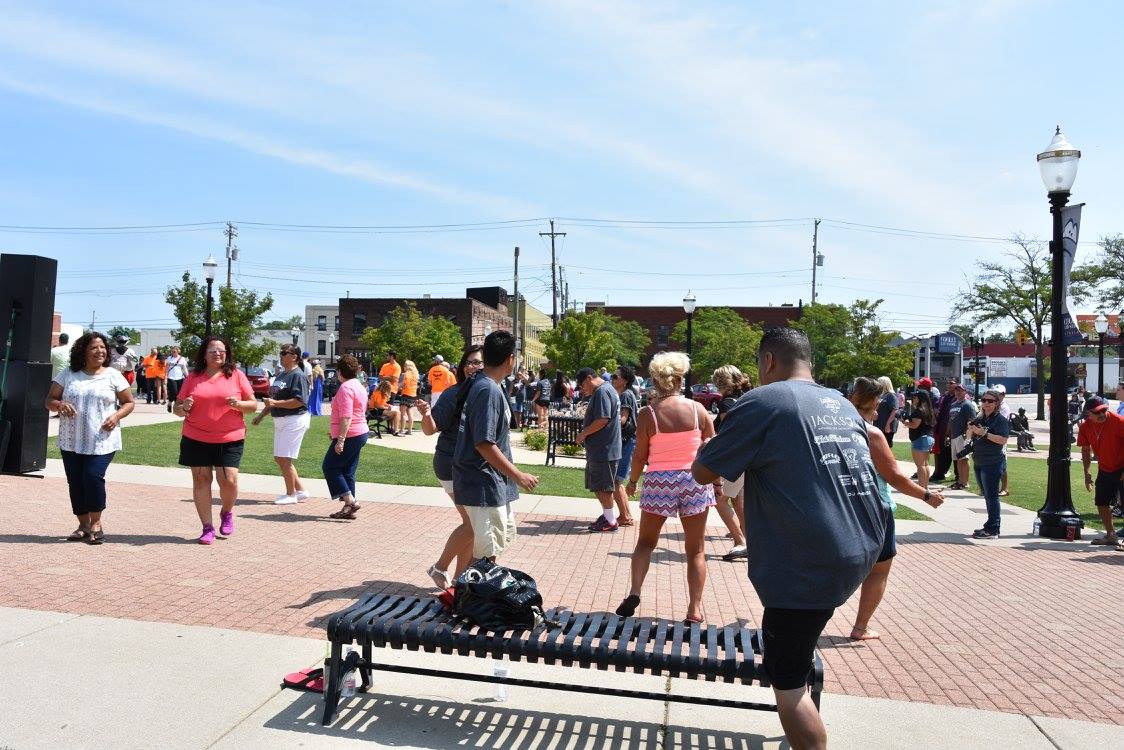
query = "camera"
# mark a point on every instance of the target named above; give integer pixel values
(971, 446)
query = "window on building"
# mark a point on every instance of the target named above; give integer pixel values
(337, 322)
(321, 347)
(662, 334)
(321, 322)
(358, 324)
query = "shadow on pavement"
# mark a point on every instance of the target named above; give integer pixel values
(135, 540)
(1116, 558)
(438, 724)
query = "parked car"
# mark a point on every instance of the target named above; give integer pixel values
(706, 394)
(260, 379)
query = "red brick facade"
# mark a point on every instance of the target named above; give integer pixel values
(660, 321)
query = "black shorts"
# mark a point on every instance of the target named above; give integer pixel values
(890, 546)
(405, 400)
(543, 402)
(1107, 487)
(790, 637)
(197, 453)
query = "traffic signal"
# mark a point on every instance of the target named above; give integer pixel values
(1022, 337)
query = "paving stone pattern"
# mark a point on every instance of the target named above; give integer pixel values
(1026, 631)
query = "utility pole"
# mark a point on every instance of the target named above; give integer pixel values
(515, 313)
(231, 251)
(816, 259)
(553, 274)
(93, 319)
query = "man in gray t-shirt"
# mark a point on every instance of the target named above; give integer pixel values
(601, 435)
(814, 519)
(960, 414)
(485, 481)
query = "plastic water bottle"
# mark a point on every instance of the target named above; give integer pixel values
(499, 669)
(347, 679)
(1034, 529)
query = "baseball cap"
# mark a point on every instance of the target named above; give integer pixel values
(1000, 388)
(925, 382)
(582, 374)
(959, 386)
(122, 339)
(1098, 404)
(438, 358)
(954, 380)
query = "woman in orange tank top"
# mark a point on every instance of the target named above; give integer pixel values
(669, 433)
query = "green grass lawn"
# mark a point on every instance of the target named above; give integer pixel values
(1026, 481)
(158, 445)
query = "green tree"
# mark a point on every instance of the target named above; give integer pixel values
(629, 339)
(284, 325)
(236, 315)
(1016, 292)
(130, 333)
(719, 337)
(413, 336)
(1102, 278)
(581, 340)
(848, 342)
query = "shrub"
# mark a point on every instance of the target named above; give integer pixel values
(570, 450)
(535, 439)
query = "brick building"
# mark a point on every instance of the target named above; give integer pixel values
(479, 309)
(660, 321)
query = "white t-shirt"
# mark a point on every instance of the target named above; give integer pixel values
(60, 358)
(94, 398)
(124, 361)
(177, 367)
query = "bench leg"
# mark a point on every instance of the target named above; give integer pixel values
(365, 670)
(333, 671)
(815, 679)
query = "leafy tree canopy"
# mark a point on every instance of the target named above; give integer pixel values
(236, 314)
(719, 337)
(848, 342)
(284, 325)
(413, 336)
(594, 339)
(130, 333)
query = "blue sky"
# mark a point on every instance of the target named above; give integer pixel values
(925, 116)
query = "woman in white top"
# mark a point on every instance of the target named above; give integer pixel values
(91, 399)
(177, 373)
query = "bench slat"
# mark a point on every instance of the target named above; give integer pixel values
(658, 659)
(608, 633)
(569, 650)
(585, 649)
(622, 659)
(712, 655)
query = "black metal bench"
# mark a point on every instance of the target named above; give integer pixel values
(561, 431)
(589, 641)
(376, 420)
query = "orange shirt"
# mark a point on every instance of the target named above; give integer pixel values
(150, 366)
(410, 384)
(440, 378)
(1106, 440)
(160, 369)
(377, 400)
(391, 371)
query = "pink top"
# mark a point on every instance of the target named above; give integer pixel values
(350, 401)
(211, 419)
(673, 451)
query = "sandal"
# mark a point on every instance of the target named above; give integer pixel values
(346, 513)
(625, 522)
(688, 621)
(78, 535)
(864, 634)
(1004, 493)
(95, 537)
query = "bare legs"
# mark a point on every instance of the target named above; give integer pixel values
(921, 461)
(458, 545)
(874, 587)
(89, 521)
(731, 518)
(289, 474)
(201, 477)
(800, 720)
(624, 512)
(405, 419)
(694, 529)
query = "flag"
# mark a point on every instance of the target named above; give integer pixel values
(1071, 227)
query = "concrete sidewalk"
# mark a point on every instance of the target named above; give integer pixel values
(104, 682)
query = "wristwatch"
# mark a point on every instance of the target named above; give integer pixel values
(926, 496)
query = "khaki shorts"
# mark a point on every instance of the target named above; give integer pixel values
(493, 529)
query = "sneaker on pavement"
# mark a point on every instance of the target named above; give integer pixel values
(208, 535)
(301, 496)
(1105, 539)
(1117, 511)
(601, 524)
(985, 534)
(286, 500)
(226, 523)
(440, 577)
(736, 553)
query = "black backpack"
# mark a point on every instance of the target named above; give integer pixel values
(498, 598)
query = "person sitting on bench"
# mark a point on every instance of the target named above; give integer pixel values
(378, 406)
(1020, 426)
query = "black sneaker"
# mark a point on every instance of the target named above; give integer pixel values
(985, 534)
(1117, 511)
(601, 524)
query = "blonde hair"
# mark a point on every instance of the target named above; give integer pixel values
(886, 383)
(668, 370)
(728, 379)
(410, 367)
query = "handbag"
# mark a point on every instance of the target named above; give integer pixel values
(493, 597)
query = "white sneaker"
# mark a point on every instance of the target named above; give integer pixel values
(301, 496)
(285, 500)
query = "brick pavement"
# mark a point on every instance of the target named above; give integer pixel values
(962, 624)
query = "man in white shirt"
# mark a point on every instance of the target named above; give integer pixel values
(123, 359)
(177, 373)
(60, 355)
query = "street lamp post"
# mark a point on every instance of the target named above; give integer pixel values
(1100, 324)
(977, 342)
(332, 341)
(1058, 519)
(294, 332)
(689, 308)
(209, 269)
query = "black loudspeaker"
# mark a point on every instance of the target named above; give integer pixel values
(27, 283)
(27, 417)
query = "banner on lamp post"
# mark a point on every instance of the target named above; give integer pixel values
(1071, 228)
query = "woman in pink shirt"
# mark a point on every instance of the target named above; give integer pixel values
(212, 401)
(349, 435)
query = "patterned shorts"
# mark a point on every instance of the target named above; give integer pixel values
(674, 493)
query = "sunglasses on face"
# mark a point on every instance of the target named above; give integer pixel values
(988, 400)
(474, 363)
(217, 351)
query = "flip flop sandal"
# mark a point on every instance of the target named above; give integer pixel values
(96, 537)
(346, 513)
(78, 535)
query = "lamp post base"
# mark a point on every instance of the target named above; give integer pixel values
(1060, 525)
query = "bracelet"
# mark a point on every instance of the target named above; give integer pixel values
(926, 496)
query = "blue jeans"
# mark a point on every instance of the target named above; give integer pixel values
(624, 466)
(85, 476)
(989, 477)
(339, 468)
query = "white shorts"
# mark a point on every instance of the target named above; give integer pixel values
(493, 529)
(734, 488)
(956, 445)
(288, 433)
